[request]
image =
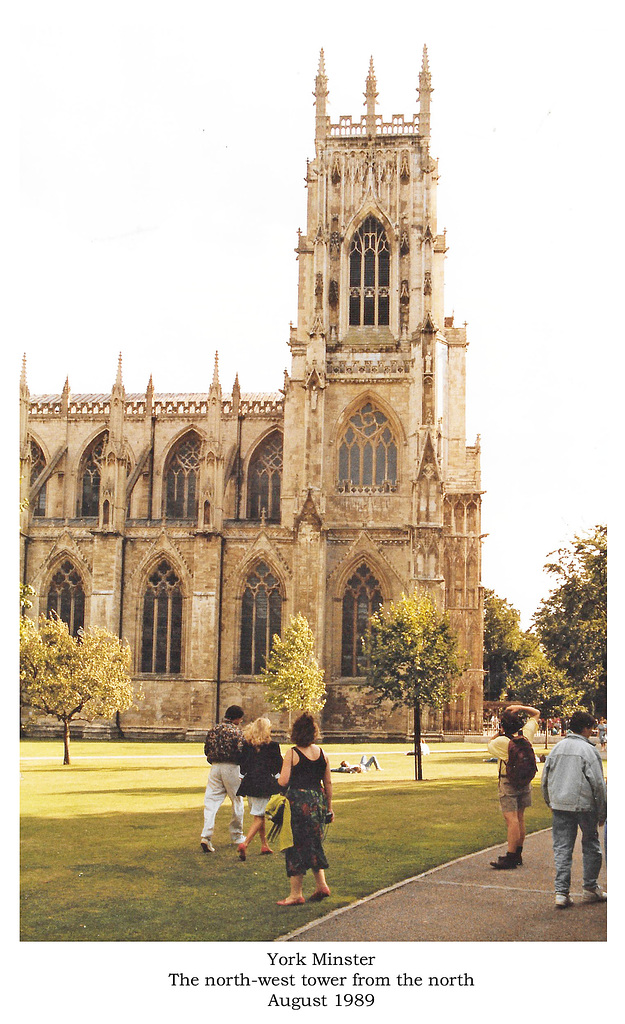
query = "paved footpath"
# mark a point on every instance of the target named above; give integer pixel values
(467, 901)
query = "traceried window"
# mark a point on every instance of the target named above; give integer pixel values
(361, 600)
(161, 640)
(265, 480)
(37, 466)
(66, 597)
(367, 453)
(369, 275)
(89, 504)
(261, 618)
(181, 479)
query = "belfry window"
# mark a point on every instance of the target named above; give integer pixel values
(161, 642)
(367, 453)
(90, 478)
(181, 479)
(265, 480)
(369, 275)
(261, 618)
(37, 466)
(361, 600)
(66, 597)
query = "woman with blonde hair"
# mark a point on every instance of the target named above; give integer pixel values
(261, 761)
(306, 773)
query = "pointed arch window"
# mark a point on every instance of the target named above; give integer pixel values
(161, 640)
(37, 466)
(261, 618)
(367, 453)
(66, 597)
(182, 478)
(90, 478)
(369, 275)
(362, 598)
(265, 480)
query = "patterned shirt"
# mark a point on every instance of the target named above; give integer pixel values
(224, 743)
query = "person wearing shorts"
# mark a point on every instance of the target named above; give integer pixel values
(513, 801)
(261, 762)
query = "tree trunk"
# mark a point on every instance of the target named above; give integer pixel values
(65, 741)
(418, 763)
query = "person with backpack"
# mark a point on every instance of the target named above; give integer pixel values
(574, 788)
(512, 746)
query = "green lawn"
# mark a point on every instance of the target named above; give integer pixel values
(110, 845)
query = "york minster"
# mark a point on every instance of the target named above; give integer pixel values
(195, 524)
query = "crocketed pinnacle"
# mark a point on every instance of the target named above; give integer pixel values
(216, 371)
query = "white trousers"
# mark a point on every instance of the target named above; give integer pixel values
(223, 780)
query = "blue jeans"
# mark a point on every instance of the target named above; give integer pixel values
(564, 834)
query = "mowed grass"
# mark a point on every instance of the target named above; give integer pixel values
(110, 844)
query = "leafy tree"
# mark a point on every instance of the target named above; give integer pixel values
(572, 622)
(294, 681)
(506, 647)
(545, 687)
(412, 654)
(73, 677)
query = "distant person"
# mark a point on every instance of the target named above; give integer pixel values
(306, 774)
(261, 762)
(223, 747)
(425, 750)
(367, 761)
(574, 788)
(347, 768)
(512, 747)
(602, 731)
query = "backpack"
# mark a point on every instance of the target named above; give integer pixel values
(521, 767)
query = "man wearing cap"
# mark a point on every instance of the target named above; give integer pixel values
(223, 747)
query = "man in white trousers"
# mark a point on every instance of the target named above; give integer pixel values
(223, 747)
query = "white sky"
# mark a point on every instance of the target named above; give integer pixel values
(163, 154)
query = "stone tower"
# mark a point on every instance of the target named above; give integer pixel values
(195, 524)
(384, 478)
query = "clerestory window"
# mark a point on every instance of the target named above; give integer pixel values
(182, 478)
(362, 598)
(91, 473)
(367, 453)
(261, 618)
(369, 275)
(265, 480)
(66, 597)
(161, 641)
(37, 466)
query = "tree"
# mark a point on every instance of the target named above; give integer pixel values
(545, 687)
(412, 654)
(506, 647)
(293, 678)
(73, 677)
(572, 622)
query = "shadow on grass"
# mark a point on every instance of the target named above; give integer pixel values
(141, 876)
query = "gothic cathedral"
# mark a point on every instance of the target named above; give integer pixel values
(195, 524)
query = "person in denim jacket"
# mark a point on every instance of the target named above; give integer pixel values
(574, 788)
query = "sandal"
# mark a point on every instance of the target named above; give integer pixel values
(320, 894)
(265, 849)
(241, 850)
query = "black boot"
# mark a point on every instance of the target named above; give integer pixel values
(506, 863)
(519, 858)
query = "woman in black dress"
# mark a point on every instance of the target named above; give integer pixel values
(306, 772)
(261, 761)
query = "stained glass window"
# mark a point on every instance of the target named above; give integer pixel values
(367, 452)
(181, 479)
(361, 600)
(66, 597)
(37, 466)
(89, 504)
(161, 642)
(261, 618)
(369, 275)
(265, 480)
